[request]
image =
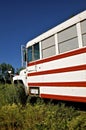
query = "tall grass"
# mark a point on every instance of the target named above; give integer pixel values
(37, 116)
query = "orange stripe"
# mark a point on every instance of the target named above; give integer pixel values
(66, 98)
(60, 84)
(60, 70)
(67, 54)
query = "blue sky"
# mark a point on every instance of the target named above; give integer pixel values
(23, 20)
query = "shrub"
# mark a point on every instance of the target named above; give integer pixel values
(78, 122)
(37, 116)
(8, 94)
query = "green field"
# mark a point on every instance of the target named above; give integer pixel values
(16, 115)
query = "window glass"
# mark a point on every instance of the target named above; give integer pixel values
(33, 52)
(68, 45)
(36, 51)
(30, 53)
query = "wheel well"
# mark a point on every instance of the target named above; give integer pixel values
(16, 82)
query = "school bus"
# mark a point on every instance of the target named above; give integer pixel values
(56, 62)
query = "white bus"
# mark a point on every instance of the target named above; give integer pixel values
(56, 62)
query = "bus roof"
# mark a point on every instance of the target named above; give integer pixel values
(77, 18)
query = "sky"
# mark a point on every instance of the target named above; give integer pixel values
(23, 20)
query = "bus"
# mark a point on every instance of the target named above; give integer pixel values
(56, 62)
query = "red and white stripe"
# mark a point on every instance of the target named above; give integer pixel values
(61, 77)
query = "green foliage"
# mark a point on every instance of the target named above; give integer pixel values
(6, 67)
(37, 116)
(6, 73)
(8, 94)
(79, 122)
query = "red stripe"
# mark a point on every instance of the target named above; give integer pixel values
(60, 84)
(67, 54)
(60, 70)
(66, 98)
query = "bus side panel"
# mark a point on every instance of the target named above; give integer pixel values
(62, 78)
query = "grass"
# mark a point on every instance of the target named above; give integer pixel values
(38, 116)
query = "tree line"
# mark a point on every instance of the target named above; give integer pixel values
(6, 73)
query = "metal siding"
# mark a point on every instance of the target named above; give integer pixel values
(67, 34)
(74, 76)
(70, 61)
(64, 62)
(68, 45)
(67, 91)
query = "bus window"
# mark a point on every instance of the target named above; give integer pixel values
(33, 52)
(36, 51)
(29, 54)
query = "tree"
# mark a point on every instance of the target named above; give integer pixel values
(6, 67)
(6, 72)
